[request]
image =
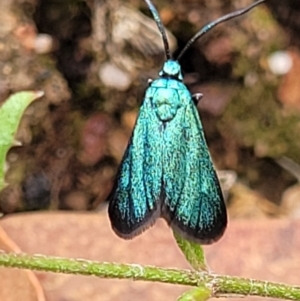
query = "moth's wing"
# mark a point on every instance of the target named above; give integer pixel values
(134, 201)
(193, 201)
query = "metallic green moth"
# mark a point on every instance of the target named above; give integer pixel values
(167, 170)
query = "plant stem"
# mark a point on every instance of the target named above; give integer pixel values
(193, 253)
(219, 285)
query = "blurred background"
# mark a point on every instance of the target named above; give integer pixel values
(93, 58)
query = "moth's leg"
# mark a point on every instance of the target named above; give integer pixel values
(196, 97)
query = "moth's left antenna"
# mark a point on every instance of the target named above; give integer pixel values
(160, 27)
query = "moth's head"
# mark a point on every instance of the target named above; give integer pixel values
(171, 69)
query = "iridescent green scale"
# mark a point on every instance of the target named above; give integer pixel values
(167, 169)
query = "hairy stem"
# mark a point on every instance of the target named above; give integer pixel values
(219, 285)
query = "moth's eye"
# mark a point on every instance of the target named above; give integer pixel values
(176, 75)
(150, 81)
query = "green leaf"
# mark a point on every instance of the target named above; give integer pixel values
(196, 294)
(193, 253)
(11, 112)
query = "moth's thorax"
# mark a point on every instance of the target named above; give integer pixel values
(167, 96)
(165, 103)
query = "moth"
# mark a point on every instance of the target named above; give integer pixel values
(167, 170)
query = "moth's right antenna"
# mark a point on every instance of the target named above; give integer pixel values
(209, 26)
